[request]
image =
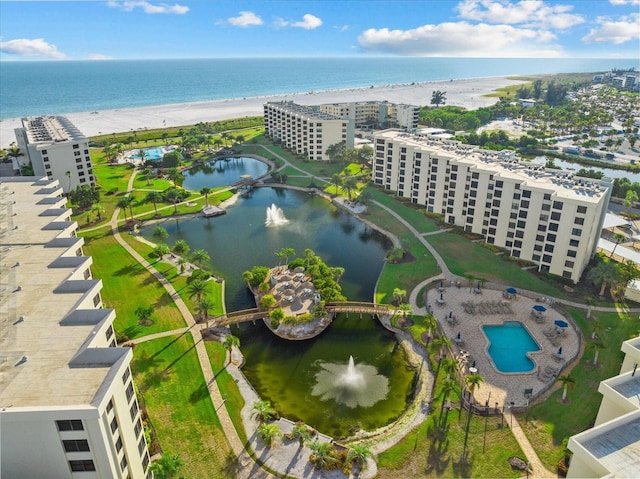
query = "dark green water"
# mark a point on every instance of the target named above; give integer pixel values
(283, 371)
(222, 172)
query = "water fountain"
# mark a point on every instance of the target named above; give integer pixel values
(356, 386)
(275, 216)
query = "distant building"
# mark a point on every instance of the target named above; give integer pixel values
(305, 130)
(527, 102)
(68, 407)
(55, 148)
(545, 216)
(375, 114)
(611, 448)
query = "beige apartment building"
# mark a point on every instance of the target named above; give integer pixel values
(68, 407)
(548, 217)
(306, 130)
(611, 448)
(375, 114)
(56, 149)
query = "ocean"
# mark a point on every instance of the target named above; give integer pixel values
(37, 88)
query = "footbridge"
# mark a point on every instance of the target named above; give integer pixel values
(334, 307)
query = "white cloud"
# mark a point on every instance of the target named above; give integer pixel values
(531, 13)
(341, 28)
(309, 22)
(462, 39)
(617, 32)
(147, 7)
(624, 2)
(98, 56)
(35, 47)
(245, 19)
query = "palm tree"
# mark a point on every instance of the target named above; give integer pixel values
(619, 238)
(181, 247)
(399, 295)
(143, 314)
(449, 366)
(146, 172)
(350, 184)
(359, 453)
(14, 151)
(154, 197)
(597, 346)
(605, 274)
(159, 234)
(269, 432)
(442, 342)
(448, 386)
(263, 411)
(124, 203)
(98, 210)
(473, 381)
(142, 155)
(301, 431)
(203, 308)
(322, 454)
(200, 257)
(182, 263)
(247, 276)
(231, 341)
(68, 175)
(630, 198)
(567, 382)
(173, 196)
(161, 249)
(197, 288)
(167, 466)
(174, 175)
(336, 179)
(205, 192)
(438, 98)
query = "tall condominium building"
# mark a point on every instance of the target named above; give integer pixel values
(56, 149)
(68, 408)
(611, 448)
(545, 216)
(377, 114)
(306, 130)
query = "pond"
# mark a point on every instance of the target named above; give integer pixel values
(288, 372)
(570, 165)
(222, 172)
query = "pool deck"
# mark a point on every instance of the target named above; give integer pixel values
(492, 308)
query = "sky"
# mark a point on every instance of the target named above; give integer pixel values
(140, 29)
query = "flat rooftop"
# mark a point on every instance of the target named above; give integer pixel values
(50, 129)
(38, 257)
(618, 449)
(504, 164)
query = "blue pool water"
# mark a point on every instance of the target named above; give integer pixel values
(509, 344)
(151, 154)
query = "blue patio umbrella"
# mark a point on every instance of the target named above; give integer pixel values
(539, 308)
(559, 353)
(512, 290)
(458, 337)
(560, 323)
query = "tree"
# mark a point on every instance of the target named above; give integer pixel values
(359, 453)
(154, 197)
(567, 382)
(161, 249)
(159, 234)
(596, 346)
(618, 238)
(442, 342)
(350, 183)
(323, 455)
(438, 98)
(284, 253)
(143, 315)
(197, 288)
(399, 295)
(200, 257)
(14, 152)
(230, 342)
(174, 175)
(181, 247)
(335, 152)
(603, 275)
(449, 366)
(167, 467)
(172, 195)
(262, 411)
(473, 381)
(203, 308)
(98, 210)
(124, 203)
(84, 196)
(630, 198)
(205, 192)
(336, 179)
(301, 431)
(267, 301)
(448, 386)
(269, 433)
(182, 264)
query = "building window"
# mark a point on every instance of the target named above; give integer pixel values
(548, 248)
(114, 425)
(109, 332)
(110, 406)
(579, 221)
(75, 445)
(566, 274)
(141, 447)
(521, 224)
(119, 444)
(126, 376)
(96, 300)
(574, 242)
(546, 258)
(571, 253)
(138, 427)
(123, 463)
(526, 193)
(553, 226)
(145, 461)
(555, 216)
(557, 205)
(75, 147)
(569, 264)
(582, 209)
(551, 238)
(70, 425)
(134, 410)
(129, 391)
(576, 232)
(81, 466)
(547, 197)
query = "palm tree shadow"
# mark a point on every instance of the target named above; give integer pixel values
(200, 393)
(230, 465)
(463, 467)
(129, 270)
(438, 457)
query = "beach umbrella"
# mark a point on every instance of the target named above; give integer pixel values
(459, 336)
(539, 308)
(512, 290)
(560, 323)
(560, 351)
(474, 364)
(451, 314)
(441, 296)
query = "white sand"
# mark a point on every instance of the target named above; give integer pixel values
(466, 93)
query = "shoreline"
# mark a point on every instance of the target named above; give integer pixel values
(467, 93)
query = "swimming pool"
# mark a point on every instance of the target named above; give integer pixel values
(150, 154)
(509, 344)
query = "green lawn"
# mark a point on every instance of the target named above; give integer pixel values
(168, 376)
(414, 215)
(551, 421)
(127, 285)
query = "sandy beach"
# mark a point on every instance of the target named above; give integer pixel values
(467, 93)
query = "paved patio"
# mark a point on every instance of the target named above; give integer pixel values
(472, 310)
